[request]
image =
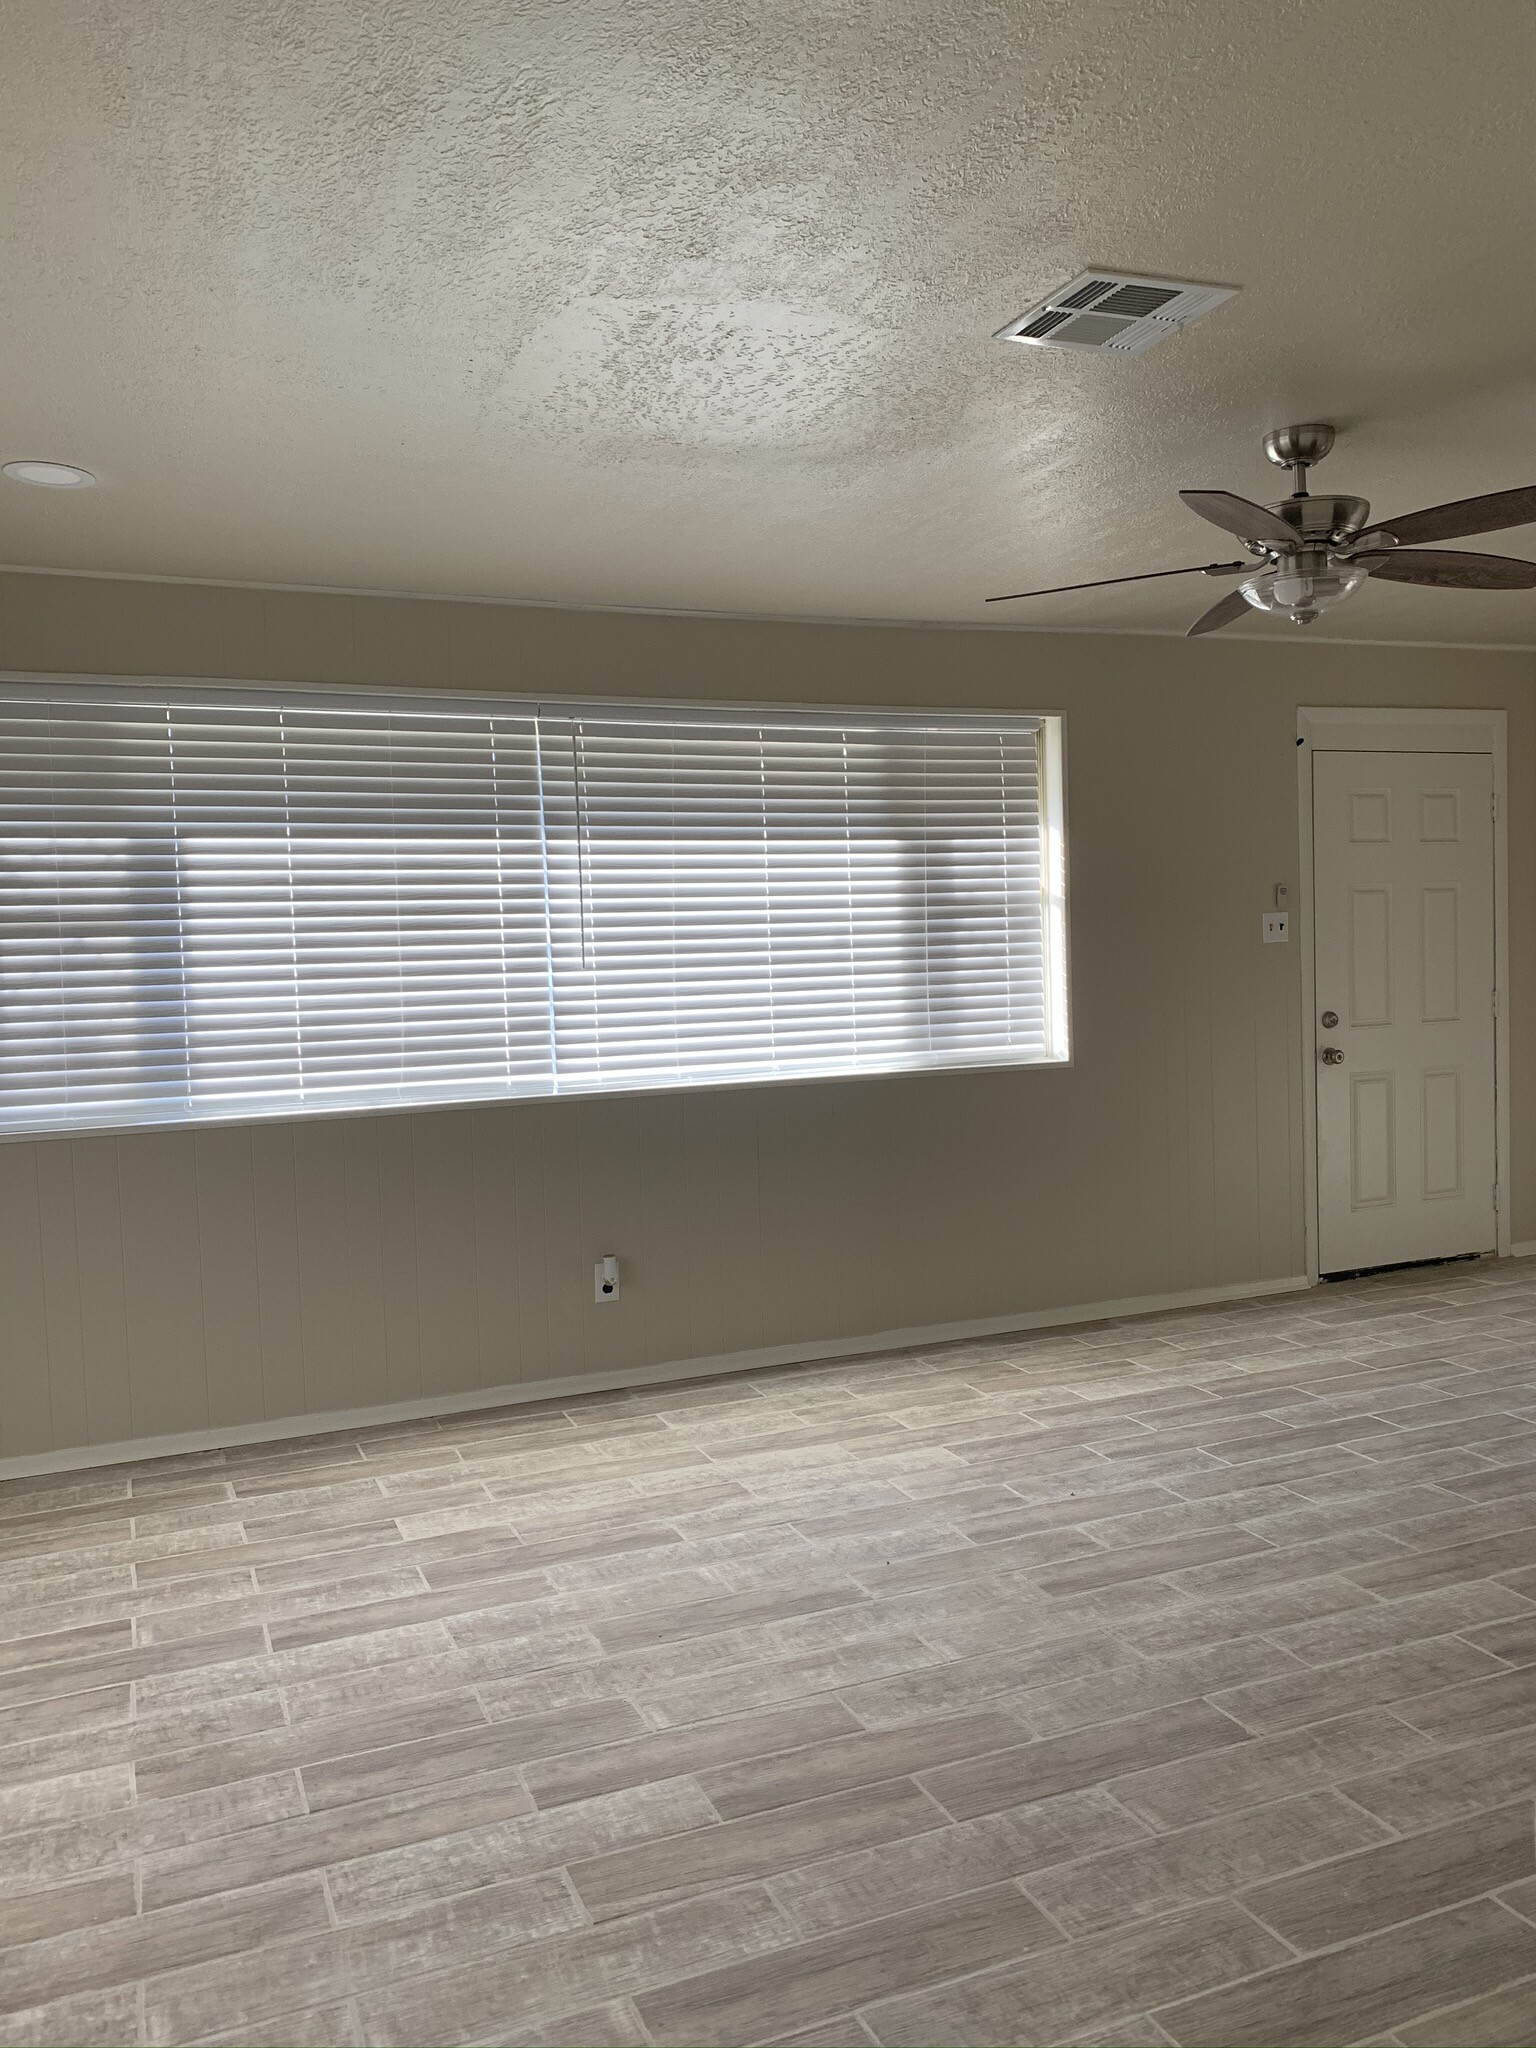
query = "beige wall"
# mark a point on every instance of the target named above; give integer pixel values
(171, 1280)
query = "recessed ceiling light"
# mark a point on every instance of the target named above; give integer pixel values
(54, 476)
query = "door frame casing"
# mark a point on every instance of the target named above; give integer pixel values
(1403, 730)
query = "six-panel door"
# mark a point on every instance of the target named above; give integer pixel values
(1403, 934)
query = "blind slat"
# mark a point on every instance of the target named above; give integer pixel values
(224, 902)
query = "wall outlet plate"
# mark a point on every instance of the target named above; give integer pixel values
(1277, 927)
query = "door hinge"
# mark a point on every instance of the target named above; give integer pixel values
(1493, 807)
(1496, 1203)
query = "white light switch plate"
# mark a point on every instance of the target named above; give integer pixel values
(1277, 927)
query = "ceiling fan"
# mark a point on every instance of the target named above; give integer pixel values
(1305, 554)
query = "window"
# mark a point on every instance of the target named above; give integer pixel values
(221, 902)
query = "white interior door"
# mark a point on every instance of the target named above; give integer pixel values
(1403, 932)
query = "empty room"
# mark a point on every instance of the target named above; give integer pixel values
(768, 1024)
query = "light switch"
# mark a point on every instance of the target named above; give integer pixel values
(1277, 927)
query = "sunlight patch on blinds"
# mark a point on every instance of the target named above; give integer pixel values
(223, 903)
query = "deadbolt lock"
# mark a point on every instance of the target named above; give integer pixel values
(1331, 1056)
(1330, 1019)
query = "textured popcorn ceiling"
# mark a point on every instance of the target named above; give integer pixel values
(688, 303)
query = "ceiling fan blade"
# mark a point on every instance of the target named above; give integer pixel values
(1147, 576)
(1449, 569)
(1240, 516)
(1221, 613)
(1464, 515)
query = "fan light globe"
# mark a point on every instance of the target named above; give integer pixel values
(1302, 585)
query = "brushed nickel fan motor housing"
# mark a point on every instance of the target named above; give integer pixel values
(1317, 519)
(1337, 517)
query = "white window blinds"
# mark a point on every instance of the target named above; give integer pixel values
(224, 903)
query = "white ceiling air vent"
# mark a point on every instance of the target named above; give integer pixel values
(1106, 310)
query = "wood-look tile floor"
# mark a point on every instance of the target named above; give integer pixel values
(1163, 1681)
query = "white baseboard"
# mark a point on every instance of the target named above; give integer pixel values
(1526, 1249)
(84, 1456)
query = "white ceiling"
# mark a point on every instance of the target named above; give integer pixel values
(688, 303)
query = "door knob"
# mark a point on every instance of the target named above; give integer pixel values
(1330, 1020)
(1331, 1056)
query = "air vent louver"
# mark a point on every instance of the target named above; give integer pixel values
(1137, 299)
(1113, 313)
(1038, 329)
(1086, 294)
